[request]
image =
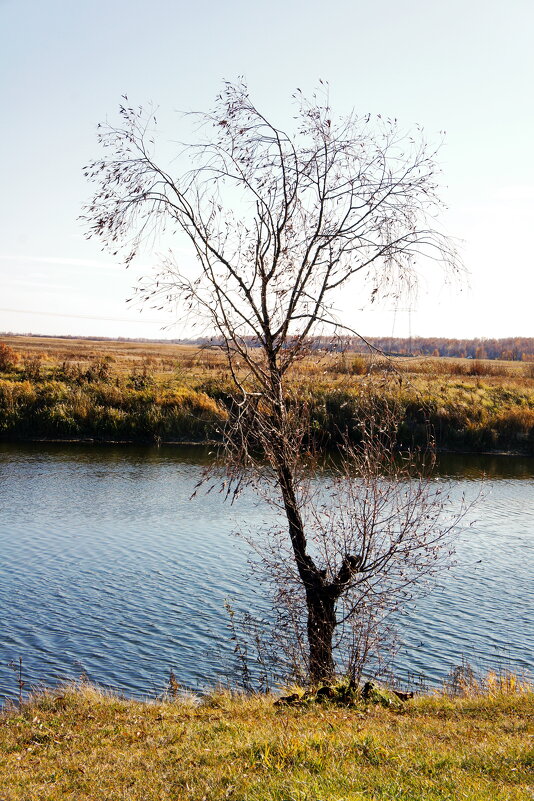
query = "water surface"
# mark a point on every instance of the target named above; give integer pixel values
(109, 570)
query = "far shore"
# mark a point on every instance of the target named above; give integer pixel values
(107, 392)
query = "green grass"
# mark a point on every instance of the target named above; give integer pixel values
(81, 744)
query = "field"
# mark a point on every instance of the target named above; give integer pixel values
(162, 392)
(81, 744)
(166, 358)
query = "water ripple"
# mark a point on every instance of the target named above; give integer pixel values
(110, 571)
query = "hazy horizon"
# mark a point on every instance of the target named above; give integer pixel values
(192, 340)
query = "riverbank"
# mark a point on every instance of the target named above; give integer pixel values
(84, 745)
(186, 395)
(461, 417)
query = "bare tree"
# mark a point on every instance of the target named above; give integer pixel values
(378, 526)
(279, 223)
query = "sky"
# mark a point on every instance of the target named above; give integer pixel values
(466, 67)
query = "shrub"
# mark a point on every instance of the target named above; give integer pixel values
(8, 358)
(69, 371)
(142, 376)
(359, 366)
(99, 369)
(32, 366)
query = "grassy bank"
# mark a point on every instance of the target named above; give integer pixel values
(80, 744)
(70, 389)
(56, 409)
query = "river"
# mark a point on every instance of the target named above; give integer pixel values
(110, 571)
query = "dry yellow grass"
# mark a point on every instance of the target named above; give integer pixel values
(79, 744)
(162, 358)
(165, 358)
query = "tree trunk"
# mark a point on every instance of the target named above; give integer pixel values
(321, 625)
(320, 599)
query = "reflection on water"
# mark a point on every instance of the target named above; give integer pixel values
(109, 570)
(476, 466)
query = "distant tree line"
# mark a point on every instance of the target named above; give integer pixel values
(509, 349)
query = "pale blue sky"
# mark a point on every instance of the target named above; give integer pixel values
(466, 67)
